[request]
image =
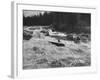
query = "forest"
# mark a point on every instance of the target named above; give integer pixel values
(61, 21)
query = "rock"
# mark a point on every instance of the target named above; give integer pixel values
(41, 61)
(26, 35)
(77, 40)
(70, 37)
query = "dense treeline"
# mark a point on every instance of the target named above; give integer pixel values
(61, 21)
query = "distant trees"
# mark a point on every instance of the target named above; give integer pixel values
(61, 21)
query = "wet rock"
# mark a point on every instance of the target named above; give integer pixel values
(41, 61)
(27, 35)
(70, 37)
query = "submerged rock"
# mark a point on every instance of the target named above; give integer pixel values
(56, 63)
